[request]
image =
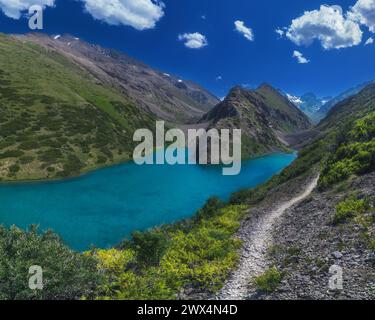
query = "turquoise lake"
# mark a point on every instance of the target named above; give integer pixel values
(106, 206)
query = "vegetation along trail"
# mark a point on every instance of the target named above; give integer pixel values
(256, 235)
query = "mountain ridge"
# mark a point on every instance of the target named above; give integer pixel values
(324, 110)
(166, 96)
(264, 115)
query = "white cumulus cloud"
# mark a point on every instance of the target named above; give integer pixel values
(328, 25)
(15, 8)
(300, 58)
(369, 41)
(139, 14)
(244, 30)
(364, 12)
(280, 32)
(193, 40)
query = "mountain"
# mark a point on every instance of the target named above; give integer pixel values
(264, 115)
(318, 108)
(56, 120)
(309, 103)
(166, 96)
(323, 111)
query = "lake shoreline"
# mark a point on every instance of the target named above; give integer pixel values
(114, 164)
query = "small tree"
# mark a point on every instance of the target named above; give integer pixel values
(150, 247)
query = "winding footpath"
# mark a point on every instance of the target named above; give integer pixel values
(257, 238)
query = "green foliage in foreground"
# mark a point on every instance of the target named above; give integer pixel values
(198, 254)
(150, 247)
(354, 155)
(269, 281)
(350, 208)
(66, 274)
(372, 244)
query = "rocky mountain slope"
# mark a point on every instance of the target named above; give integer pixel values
(305, 258)
(264, 115)
(165, 96)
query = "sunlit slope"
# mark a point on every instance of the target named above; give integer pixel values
(56, 120)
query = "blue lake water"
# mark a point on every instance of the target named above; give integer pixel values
(104, 207)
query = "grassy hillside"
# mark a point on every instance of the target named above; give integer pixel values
(55, 121)
(164, 95)
(284, 115)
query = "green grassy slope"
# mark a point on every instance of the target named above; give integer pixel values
(284, 115)
(55, 120)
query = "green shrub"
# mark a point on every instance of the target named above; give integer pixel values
(210, 209)
(11, 154)
(29, 145)
(354, 155)
(14, 168)
(101, 159)
(350, 208)
(72, 166)
(150, 247)
(26, 159)
(269, 281)
(66, 274)
(372, 244)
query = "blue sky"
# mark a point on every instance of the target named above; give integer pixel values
(309, 55)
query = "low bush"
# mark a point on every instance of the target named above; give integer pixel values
(14, 168)
(150, 247)
(269, 281)
(355, 154)
(350, 208)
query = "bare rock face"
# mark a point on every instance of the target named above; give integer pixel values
(166, 96)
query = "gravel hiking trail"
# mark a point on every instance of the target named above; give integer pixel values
(257, 238)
